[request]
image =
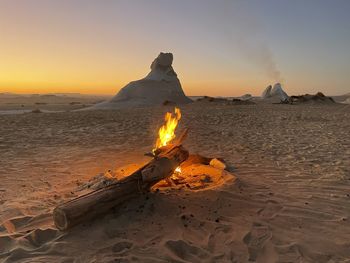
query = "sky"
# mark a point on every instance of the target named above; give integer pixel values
(221, 47)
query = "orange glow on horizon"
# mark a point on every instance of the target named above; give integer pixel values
(225, 49)
(113, 89)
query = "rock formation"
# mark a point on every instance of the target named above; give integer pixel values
(246, 97)
(159, 86)
(347, 101)
(267, 92)
(318, 98)
(225, 101)
(275, 94)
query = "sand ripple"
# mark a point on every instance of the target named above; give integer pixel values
(290, 203)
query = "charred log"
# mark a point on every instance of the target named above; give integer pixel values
(101, 201)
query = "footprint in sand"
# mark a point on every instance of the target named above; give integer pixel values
(16, 248)
(14, 224)
(260, 247)
(39, 237)
(122, 247)
(184, 251)
(6, 244)
(271, 209)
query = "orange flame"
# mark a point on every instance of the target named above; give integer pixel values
(166, 133)
(178, 170)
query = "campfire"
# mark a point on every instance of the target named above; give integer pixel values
(171, 168)
(197, 172)
(166, 132)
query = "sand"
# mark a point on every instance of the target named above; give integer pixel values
(11, 103)
(290, 202)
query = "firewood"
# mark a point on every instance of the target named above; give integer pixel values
(196, 159)
(218, 164)
(101, 201)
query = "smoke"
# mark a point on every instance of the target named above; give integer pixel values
(260, 54)
(245, 31)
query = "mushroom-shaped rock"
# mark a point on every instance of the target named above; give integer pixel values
(160, 85)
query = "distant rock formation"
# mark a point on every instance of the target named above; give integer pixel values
(242, 102)
(212, 99)
(159, 86)
(225, 101)
(267, 92)
(318, 98)
(246, 97)
(345, 98)
(275, 94)
(347, 101)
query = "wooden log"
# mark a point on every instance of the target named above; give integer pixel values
(98, 202)
(196, 159)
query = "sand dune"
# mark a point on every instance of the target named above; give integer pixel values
(289, 204)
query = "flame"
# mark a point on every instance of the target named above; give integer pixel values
(178, 170)
(166, 133)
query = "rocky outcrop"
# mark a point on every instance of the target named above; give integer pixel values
(275, 94)
(318, 98)
(212, 99)
(246, 97)
(160, 85)
(267, 92)
(347, 101)
(224, 101)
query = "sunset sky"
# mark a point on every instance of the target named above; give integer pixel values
(221, 48)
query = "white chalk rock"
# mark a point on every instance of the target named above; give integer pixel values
(160, 85)
(347, 101)
(246, 97)
(276, 93)
(267, 92)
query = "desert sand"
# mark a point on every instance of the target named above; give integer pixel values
(290, 202)
(11, 103)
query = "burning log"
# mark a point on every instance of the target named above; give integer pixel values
(98, 202)
(178, 141)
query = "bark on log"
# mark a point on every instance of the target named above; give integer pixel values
(98, 202)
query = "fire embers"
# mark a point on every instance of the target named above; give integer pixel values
(196, 174)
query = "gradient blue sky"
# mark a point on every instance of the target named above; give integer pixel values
(222, 47)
